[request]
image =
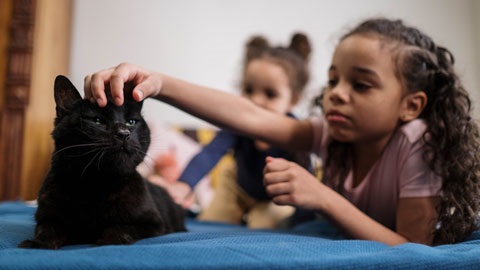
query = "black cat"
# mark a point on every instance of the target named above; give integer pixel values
(93, 193)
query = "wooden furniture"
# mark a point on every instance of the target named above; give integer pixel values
(34, 42)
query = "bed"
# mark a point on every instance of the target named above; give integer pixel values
(313, 245)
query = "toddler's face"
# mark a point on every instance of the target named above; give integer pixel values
(363, 100)
(267, 85)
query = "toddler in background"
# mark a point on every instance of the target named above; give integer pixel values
(273, 78)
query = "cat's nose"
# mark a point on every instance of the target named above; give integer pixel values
(123, 133)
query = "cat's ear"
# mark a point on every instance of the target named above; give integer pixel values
(66, 95)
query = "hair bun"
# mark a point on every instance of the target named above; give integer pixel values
(255, 46)
(301, 45)
(257, 42)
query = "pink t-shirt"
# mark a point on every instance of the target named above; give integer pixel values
(400, 172)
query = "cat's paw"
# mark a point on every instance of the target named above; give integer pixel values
(38, 244)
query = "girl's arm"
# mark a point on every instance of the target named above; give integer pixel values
(290, 184)
(415, 220)
(226, 110)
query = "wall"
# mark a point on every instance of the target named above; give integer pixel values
(202, 41)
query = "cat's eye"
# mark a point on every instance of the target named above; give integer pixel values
(131, 122)
(97, 121)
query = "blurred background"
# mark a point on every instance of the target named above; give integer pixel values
(199, 41)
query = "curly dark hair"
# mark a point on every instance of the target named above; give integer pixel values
(452, 136)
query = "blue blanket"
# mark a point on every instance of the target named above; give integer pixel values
(219, 246)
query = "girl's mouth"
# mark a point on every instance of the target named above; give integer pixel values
(336, 117)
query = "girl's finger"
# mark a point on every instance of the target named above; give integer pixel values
(276, 177)
(144, 89)
(275, 164)
(86, 87)
(278, 189)
(96, 86)
(285, 199)
(122, 73)
(130, 73)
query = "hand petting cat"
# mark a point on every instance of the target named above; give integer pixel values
(147, 84)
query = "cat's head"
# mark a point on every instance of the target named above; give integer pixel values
(113, 138)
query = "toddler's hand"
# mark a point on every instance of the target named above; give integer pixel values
(180, 192)
(147, 83)
(290, 184)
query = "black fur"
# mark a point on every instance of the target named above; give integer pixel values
(93, 193)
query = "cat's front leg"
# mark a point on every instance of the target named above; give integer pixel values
(46, 237)
(118, 235)
(128, 234)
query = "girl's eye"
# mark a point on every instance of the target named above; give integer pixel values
(270, 93)
(131, 122)
(247, 90)
(332, 83)
(361, 86)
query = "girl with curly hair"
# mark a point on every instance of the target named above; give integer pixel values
(400, 145)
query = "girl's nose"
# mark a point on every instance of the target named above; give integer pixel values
(339, 94)
(258, 99)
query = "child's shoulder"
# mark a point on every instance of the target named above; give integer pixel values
(413, 130)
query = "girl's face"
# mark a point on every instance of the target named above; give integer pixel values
(362, 102)
(267, 85)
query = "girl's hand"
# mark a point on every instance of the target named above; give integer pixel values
(147, 83)
(180, 192)
(290, 184)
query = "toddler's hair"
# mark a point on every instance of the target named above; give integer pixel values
(293, 59)
(452, 136)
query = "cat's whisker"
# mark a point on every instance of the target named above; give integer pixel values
(90, 162)
(138, 151)
(85, 153)
(149, 165)
(148, 158)
(100, 159)
(98, 147)
(74, 146)
(148, 162)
